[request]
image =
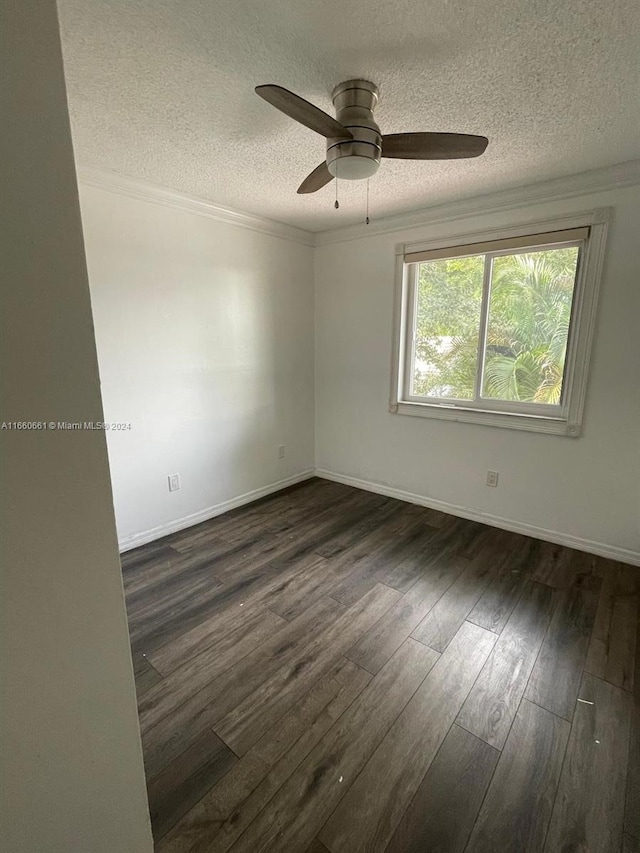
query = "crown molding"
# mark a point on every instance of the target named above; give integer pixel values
(113, 182)
(570, 186)
(596, 180)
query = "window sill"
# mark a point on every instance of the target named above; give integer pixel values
(506, 420)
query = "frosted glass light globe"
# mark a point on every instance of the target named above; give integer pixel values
(353, 167)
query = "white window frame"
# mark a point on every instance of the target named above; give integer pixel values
(563, 419)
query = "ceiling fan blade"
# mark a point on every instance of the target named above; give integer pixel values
(319, 178)
(433, 146)
(302, 111)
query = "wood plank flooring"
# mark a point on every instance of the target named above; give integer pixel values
(331, 671)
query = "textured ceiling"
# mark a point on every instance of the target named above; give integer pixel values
(163, 90)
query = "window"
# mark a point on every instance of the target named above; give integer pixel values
(497, 329)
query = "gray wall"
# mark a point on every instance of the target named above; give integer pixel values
(73, 778)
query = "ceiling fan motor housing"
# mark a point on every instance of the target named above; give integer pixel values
(353, 159)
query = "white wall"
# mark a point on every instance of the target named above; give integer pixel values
(205, 344)
(72, 774)
(557, 487)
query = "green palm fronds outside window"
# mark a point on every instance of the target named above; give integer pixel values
(529, 312)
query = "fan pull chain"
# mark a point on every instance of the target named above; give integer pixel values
(367, 219)
(337, 204)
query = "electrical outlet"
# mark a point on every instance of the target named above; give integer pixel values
(281, 451)
(174, 482)
(492, 478)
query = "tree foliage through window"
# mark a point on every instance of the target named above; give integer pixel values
(529, 313)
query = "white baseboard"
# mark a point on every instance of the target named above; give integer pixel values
(602, 549)
(137, 539)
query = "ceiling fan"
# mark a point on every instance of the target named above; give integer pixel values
(354, 142)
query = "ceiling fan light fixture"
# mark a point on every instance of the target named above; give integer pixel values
(354, 141)
(353, 167)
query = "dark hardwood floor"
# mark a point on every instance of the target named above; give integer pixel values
(331, 671)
